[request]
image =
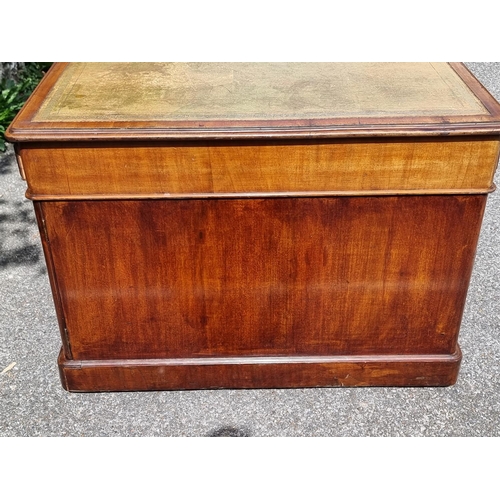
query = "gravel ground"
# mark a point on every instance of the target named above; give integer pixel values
(34, 404)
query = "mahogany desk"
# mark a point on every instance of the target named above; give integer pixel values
(258, 225)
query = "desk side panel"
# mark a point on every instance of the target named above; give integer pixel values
(263, 277)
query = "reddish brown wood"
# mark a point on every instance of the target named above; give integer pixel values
(269, 372)
(53, 280)
(282, 277)
(322, 252)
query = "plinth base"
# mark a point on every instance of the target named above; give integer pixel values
(258, 372)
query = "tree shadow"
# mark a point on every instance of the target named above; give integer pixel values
(7, 161)
(19, 241)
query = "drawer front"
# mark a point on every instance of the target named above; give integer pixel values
(259, 168)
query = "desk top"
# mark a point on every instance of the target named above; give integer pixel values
(113, 101)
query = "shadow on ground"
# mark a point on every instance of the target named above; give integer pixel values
(229, 432)
(6, 162)
(18, 238)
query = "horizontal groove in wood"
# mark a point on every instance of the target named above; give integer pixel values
(285, 194)
(260, 167)
(263, 360)
(328, 371)
(97, 134)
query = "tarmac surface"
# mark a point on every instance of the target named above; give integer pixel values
(33, 403)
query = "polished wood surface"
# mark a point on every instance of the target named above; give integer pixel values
(171, 169)
(260, 372)
(324, 239)
(312, 276)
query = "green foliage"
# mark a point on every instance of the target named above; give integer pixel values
(13, 95)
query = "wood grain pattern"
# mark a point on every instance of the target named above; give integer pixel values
(53, 280)
(252, 373)
(169, 169)
(277, 277)
(205, 227)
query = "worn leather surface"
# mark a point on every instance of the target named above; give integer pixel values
(232, 91)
